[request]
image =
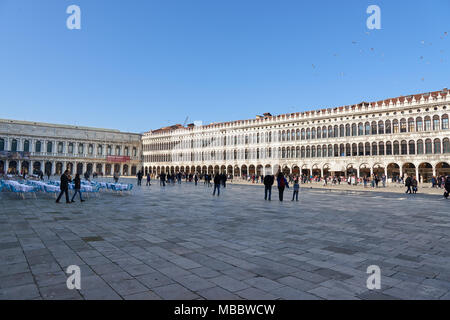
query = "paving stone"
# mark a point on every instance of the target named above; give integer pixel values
(175, 292)
(229, 283)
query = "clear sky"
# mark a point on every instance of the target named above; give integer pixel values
(137, 65)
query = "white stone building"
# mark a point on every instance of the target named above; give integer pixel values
(29, 146)
(404, 135)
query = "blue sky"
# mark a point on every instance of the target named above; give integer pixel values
(141, 64)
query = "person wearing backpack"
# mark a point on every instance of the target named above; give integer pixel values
(282, 184)
(268, 183)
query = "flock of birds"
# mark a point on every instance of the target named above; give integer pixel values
(423, 42)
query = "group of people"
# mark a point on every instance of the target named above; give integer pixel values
(282, 183)
(64, 187)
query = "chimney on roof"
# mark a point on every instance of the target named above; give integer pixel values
(191, 125)
(267, 114)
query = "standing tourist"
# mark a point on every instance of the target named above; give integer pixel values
(447, 187)
(216, 184)
(196, 179)
(268, 183)
(64, 186)
(77, 182)
(296, 190)
(408, 183)
(282, 183)
(148, 180)
(162, 179)
(414, 184)
(139, 177)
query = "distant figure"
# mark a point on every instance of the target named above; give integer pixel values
(77, 182)
(64, 186)
(268, 183)
(217, 184)
(447, 187)
(139, 177)
(223, 180)
(162, 179)
(414, 184)
(282, 183)
(148, 180)
(296, 190)
(408, 183)
(196, 179)
(116, 177)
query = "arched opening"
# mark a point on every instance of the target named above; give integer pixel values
(108, 169)
(210, 170)
(378, 169)
(296, 171)
(259, 170)
(442, 169)
(244, 170)
(251, 170)
(236, 171)
(409, 169)
(230, 170)
(69, 167)
(364, 170)
(286, 170)
(2, 167)
(48, 168)
(125, 170)
(393, 171)
(216, 170)
(316, 171)
(351, 171)
(36, 167)
(326, 170)
(425, 171)
(12, 167)
(89, 168)
(204, 170)
(25, 167)
(98, 168)
(59, 168)
(79, 168)
(116, 168)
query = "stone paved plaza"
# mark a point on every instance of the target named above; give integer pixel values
(179, 242)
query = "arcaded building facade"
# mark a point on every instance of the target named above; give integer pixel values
(398, 136)
(33, 147)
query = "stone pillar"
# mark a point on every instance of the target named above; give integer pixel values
(19, 165)
(104, 168)
(357, 172)
(417, 174)
(6, 165)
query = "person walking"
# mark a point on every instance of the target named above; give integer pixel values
(408, 182)
(282, 184)
(268, 183)
(77, 188)
(196, 179)
(64, 186)
(414, 185)
(296, 190)
(162, 179)
(148, 180)
(217, 184)
(139, 177)
(116, 177)
(447, 187)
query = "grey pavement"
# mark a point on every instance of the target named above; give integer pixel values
(180, 242)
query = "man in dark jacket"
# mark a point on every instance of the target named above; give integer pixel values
(268, 183)
(447, 187)
(217, 184)
(282, 183)
(77, 182)
(408, 183)
(64, 187)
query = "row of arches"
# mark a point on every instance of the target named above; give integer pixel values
(423, 170)
(28, 167)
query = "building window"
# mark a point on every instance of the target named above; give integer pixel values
(445, 122)
(14, 145)
(26, 146)
(419, 124)
(380, 127)
(436, 123)
(117, 151)
(134, 152)
(437, 146)
(2, 144)
(91, 149)
(38, 146)
(427, 124)
(360, 129)
(109, 150)
(49, 147)
(388, 149)
(404, 148)
(419, 147)
(412, 147)
(396, 148)
(395, 126)
(388, 127)
(403, 125)
(446, 145)
(80, 148)
(428, 147)
(100, 150)
(70, 148)
(60, 147)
